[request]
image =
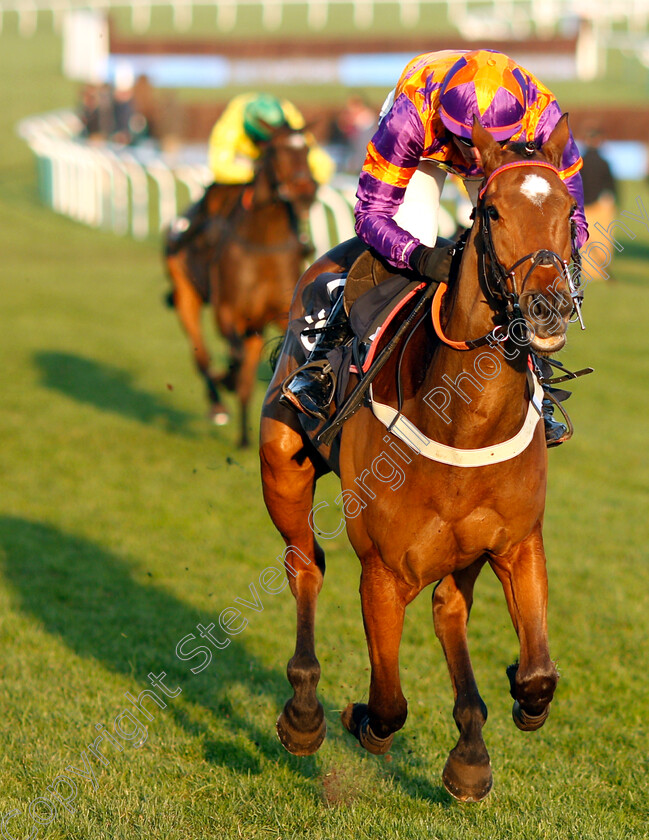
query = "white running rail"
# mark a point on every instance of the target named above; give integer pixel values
(518, 17)
(137, 193)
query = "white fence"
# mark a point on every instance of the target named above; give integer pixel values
(134, 191)
(472, 17)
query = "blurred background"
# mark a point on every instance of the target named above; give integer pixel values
(148, 79)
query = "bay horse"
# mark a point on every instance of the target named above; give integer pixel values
(414, 521)
(245, 263)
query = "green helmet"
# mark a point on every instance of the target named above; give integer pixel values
(261, 116)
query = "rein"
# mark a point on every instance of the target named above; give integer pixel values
(492, 270)
(498, 333)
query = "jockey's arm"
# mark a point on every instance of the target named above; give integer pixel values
(393, 155)
(321, 164)
(575, 187)
(231, 154)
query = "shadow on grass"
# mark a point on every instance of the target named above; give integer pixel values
(105, 387)
(635, 249)
(87, 597)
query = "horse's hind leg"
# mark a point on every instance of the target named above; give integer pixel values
(384, 604)
(467, 774)
(188, 304)
(533, 680)
(288, 477)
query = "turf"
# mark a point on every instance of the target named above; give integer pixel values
(125, 521)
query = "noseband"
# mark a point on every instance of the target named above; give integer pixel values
(500, 281)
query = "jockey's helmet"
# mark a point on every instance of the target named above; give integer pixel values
(261, 116)
(489, 85)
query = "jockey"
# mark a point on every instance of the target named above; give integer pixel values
(236, 143)
(245, 125)
(424, 133)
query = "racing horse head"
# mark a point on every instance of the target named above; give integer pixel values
(285, 167)
(525, 216)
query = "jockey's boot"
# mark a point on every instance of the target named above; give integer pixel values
(184, 228)
(554, 431)
(310, 389)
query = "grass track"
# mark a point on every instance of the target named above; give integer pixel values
(125, 521)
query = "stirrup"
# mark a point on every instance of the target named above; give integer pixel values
(569, 427)
(323, 363)
(312, 404)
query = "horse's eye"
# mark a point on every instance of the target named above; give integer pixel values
(493, 214)
(573, 210)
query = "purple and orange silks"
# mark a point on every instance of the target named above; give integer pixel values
(414, 130)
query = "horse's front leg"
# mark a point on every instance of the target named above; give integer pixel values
(384, 602)
(188, 304)
(533, 680)
(288, 477)
(467, 774)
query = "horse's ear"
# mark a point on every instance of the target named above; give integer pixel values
(490, 151)
(556, 142)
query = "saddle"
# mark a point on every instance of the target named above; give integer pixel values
(368, 271)
(202, 230)
(374, 294)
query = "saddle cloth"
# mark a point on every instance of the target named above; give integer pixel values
(369, 317)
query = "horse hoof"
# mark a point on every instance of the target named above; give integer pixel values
(300, 743)
(528, 723)
(467, 782)
(220, 418)
(356, 721)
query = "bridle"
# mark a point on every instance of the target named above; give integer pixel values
(278, 187)
(505, 295)
(247, 201)
(501, 282)
(507, 290)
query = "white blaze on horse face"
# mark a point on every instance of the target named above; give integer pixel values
(296, 141)
(535, 188)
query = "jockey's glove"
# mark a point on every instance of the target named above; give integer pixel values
(433, 263)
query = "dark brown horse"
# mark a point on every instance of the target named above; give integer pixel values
(245, 263)
(413, 521)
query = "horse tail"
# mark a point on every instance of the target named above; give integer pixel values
(275, 351)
